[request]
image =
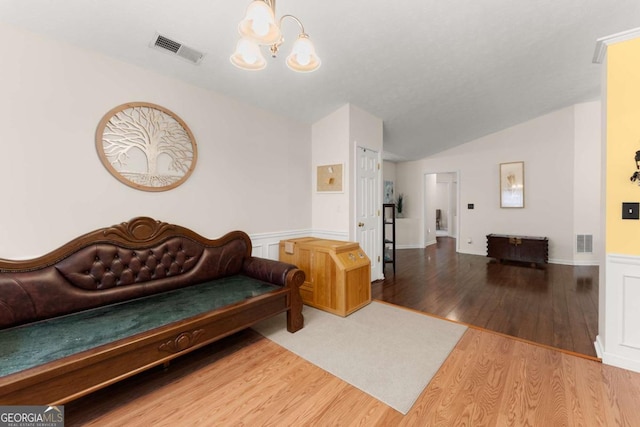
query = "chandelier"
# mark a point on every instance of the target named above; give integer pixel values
(259, 28)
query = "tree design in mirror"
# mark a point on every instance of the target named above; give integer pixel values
(146, 146)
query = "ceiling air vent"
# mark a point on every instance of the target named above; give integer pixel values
(173, 47)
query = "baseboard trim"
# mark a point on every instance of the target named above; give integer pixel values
(599, 347)
(468, 252)
(573, 262)
(620, 362)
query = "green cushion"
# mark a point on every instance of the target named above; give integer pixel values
(37, 343)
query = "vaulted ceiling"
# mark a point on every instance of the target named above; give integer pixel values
(438, 73)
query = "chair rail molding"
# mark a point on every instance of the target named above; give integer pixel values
(267, 245)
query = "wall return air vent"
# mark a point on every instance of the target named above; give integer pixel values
(584, 243)
(172, 47)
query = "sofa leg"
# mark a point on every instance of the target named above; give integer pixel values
(295, 320)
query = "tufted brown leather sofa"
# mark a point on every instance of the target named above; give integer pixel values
(128, 261)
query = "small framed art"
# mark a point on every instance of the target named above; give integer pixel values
(329, 178)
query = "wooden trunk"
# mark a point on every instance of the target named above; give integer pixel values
(338, 273)
(534, 250)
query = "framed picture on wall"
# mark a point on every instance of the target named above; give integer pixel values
(388, 192)
(512, 185)
(329, 178)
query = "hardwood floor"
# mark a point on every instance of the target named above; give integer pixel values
(488, 380)
(556, 305)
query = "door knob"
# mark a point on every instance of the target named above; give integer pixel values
(361, 224)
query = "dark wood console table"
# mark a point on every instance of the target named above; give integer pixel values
(534, 250)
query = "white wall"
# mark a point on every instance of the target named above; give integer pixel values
(334, 140)
(406, 235)
(389, 175)
(365, 129)
(410, 182)
(330, 145)
(252, 172)
(547, 145)
(588, 203)
(389, 171)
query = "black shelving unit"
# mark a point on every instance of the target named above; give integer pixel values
(389, 235)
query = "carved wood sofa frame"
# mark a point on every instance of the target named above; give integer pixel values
(117, 265)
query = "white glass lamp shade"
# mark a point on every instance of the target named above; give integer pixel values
(303, 56)
(259, 24)
(248, 56)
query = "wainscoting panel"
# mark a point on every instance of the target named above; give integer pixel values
(618, 342)
(331, 235)
(631, 312)
(267, 245)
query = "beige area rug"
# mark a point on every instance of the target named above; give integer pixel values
(386, 351)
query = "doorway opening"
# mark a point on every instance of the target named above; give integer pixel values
(441, 206)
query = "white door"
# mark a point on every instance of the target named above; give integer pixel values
(368, 208)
